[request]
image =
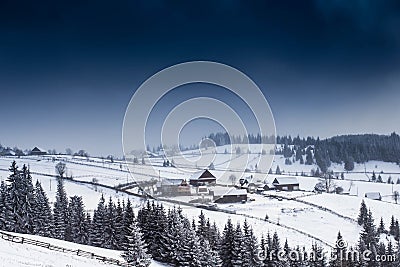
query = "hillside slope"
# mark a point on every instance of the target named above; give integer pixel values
(18, 254)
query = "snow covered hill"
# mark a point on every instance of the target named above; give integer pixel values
(18, 254)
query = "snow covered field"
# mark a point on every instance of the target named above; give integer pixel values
(301, 223)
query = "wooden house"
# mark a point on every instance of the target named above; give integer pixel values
(200, 178)
(38, 151)
(286, 183)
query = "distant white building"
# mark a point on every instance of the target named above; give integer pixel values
(373, 195)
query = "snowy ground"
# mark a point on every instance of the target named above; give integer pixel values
(23, 255)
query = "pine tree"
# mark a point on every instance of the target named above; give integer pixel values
(3, 207)
(373, 177)
(119, 226)
(77, 221)
(381, 228)
(43, 218)
(278, 170)
(389, 251)
(128, 218)
(87, 229)
(29, 200)
(110, 230)
(250, 247)
(237, 254)
(97, 234)
(397, 231)
(135, 252)
(227, 245)
(60, 212)
(214, 236)
(19, 200)
(349, 164)
(369, 233)
(168, 238)
(156, 227)
(394, 228)
(267, 250)
(361, 248)
(143, 220)
(309, 157)
(202, 230)
(208, 256)
(188, 250)
(275, 247)
(363, 214)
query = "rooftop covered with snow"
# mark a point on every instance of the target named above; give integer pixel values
(287, 180)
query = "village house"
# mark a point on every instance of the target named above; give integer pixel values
(286, 183)
(204, 177)
(38, 151)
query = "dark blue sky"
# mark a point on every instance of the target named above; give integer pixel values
(68, 69)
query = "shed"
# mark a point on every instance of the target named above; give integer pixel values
(229, 195)
(202, 178)
(286, 183)
(373, 195)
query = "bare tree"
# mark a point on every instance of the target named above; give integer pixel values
(330, 185)
(61, 168)
(95, 181)
(396, 196)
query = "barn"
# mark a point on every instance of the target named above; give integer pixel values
(373, 195)
(229, 195)
(38, 151)
(286, 183)
(204, 177)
